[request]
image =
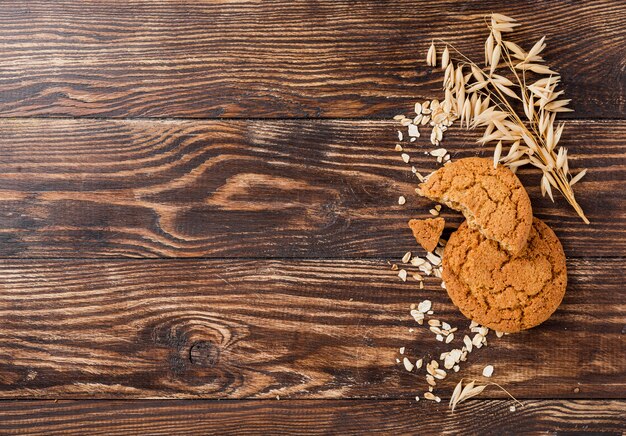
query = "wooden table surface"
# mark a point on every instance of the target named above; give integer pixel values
(198, 201)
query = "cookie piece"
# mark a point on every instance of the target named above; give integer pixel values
(501, 291)
(427, 232)
(493, 200)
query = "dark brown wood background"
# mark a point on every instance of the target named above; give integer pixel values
(198, 200)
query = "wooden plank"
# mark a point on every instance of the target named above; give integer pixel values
(309, 417)
(280, 58)
(298, 329)
(91, 188)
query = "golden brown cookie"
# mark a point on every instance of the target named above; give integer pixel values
(492, 199)
(500, 291)
(427, 232)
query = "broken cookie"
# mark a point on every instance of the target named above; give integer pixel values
(492, 200)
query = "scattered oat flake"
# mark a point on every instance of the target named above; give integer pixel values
(439, 152)
(406, 157)
(512, 409)
(488, 371)
(402, 275)
(406, 257)
(429, 396)
(400, 136)
(407, 364)
(417, 261)
(468, 343)
(398, 147)
(424, 306)
(439, 338)
(401, 200)
(436, 330)
(413, 131)
(402, 350)
(449, 338)
(435, 260)
(434, 212)
(419, 363)
(478, 339)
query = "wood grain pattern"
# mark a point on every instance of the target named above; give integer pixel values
(279, 58)
(309, 417)
(87, 188)
(298, 329)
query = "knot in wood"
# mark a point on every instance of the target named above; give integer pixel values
(204, 353)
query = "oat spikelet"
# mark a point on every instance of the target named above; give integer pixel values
(431, 57)
(495, 58)
(445, 58)
(577, 177)
(497, 153)
(488, 49)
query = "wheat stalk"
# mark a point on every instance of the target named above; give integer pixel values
(483, 97)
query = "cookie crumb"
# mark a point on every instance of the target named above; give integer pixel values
(427, 232)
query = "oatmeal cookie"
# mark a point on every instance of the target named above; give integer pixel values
(492, 200)
(502, 291)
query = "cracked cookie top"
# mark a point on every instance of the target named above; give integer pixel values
(493, 200)
(501, 291)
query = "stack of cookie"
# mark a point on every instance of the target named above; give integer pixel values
(502, 268)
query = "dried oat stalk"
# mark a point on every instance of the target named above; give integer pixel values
(515, 98)
(469, 390)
